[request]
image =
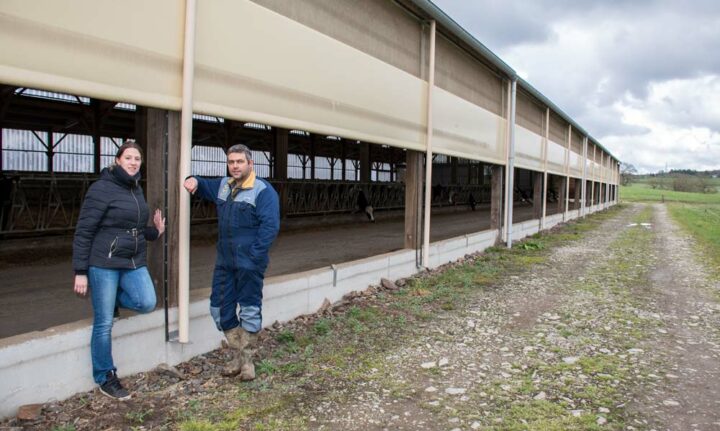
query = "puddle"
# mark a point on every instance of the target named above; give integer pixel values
(645, 225)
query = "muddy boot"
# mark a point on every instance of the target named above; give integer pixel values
(247, 368)
(237, 341)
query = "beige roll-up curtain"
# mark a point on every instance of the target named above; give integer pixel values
(576, 154)
(528, 149)
(468, 107)
(380, 28)
(530, 113)
(255, 64)
(464, 76)
(127, 51)
(556, 157)
(462, 129)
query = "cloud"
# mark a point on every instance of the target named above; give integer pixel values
(683, 102)
(682, 126)
(605, 63)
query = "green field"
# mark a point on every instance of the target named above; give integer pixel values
(641, 192)
(697, 213)
(702, 222)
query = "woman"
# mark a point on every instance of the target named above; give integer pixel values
(109, 256)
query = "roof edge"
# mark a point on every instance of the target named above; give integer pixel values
(434, 12)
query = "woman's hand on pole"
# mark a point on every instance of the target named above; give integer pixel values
(81, 285)
(159, 221)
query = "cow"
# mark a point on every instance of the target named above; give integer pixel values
(471, 202)
(363, 205)
(524, 197)
(552, 195)
(438, 192)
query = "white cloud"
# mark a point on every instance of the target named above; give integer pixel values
(641, 77)
(681, 118)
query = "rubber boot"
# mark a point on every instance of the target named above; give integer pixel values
(247, 367)
(237, 341)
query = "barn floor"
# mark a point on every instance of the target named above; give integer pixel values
(34, 297)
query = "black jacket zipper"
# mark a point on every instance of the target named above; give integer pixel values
(132, 259)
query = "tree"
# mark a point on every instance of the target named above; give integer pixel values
(627, 173)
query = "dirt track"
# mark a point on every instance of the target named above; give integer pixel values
(617, 329)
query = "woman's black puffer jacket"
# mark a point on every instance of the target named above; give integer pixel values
(111, 230)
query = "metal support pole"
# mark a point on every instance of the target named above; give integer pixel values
(511, 162)
(545, 171)
(428, 152)
(185, 157)
(583, 187)
(567, 173)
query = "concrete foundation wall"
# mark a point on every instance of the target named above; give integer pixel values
(29, 363)
(56, 363)
(525, 229)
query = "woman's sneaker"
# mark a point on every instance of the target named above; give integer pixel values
(113, 389)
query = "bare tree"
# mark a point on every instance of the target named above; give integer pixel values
(627, 173)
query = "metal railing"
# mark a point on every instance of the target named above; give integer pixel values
(39, 203)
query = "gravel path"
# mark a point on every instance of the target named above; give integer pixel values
(689, 338)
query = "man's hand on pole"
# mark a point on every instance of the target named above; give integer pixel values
(191, 185)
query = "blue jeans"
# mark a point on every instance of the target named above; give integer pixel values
(129, 288)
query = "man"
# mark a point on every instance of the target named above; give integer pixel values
(248, 222)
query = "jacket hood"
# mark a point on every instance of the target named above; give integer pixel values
(118, 175)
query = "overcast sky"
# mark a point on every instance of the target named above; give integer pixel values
(642, 77)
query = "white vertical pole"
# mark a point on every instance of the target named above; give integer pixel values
(584, 178)
(617, 183)
(511, 163)
(602, 180)
(592, 190)
(428, 152)
(545, 170)
(185, 154)
(567, 173)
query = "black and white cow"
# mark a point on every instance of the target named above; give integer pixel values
(363, 205)
(524, 197)
(471, 202)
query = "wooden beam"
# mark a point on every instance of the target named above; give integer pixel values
(496, 197)
(413, 193)
(141, 136)
(562, 193)
(50, 151)
(280, 156)
(577, 183)
(364, 162)
(314, 143)
(161, 132)
(453, 170)
(537, 194)
(229, 129)
(343, 156)
(151, 134)
(6, 94)
(97, 147)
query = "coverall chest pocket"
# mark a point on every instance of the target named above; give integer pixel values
(243, 215)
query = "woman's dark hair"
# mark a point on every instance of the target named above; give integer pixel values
(129, 143)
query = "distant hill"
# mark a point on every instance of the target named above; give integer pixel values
(675, 172)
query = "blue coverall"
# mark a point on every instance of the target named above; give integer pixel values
(247, 227)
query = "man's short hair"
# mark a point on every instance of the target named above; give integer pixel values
(240, 148)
